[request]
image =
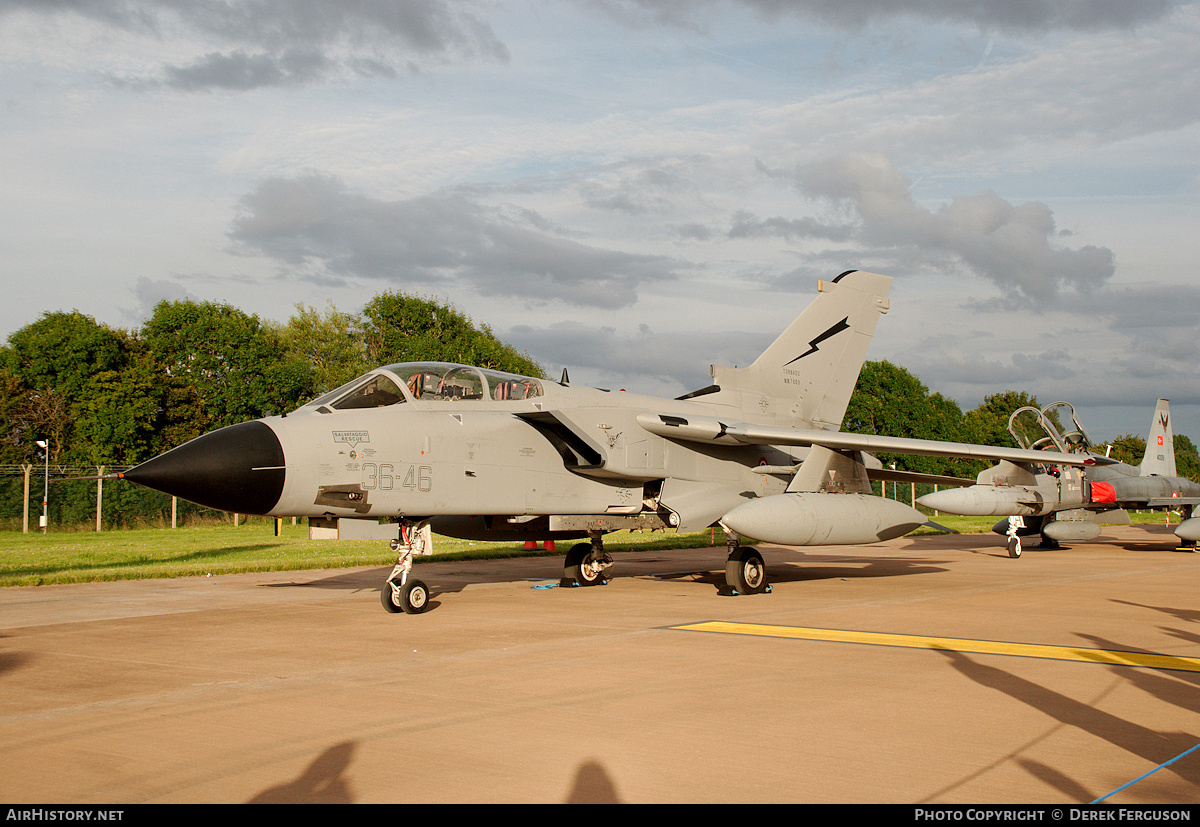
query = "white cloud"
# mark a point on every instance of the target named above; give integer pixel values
(265, 43)
(316, 226)
(1010, 245)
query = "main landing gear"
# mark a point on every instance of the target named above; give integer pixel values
(586, 563)
(745, 571)
(399, 593)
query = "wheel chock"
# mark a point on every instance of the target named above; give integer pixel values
(730, 591)
(574, 584)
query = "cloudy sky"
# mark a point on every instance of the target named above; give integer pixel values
(632, 189)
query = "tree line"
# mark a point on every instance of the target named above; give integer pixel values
(100, 395)
(890, 401)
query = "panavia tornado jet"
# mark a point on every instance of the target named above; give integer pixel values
(1063, 503)
(480, 454)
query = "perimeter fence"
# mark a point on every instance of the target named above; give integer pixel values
(90, 504)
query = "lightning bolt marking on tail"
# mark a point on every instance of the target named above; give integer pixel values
(815, 344)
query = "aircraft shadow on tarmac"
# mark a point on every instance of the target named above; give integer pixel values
(592, 786)
(790, 571)
(1141, 545)
(707, 565)
(324, 781)
(1172, 687)
(1151, 745)
(10, 661)
(784, 566)
(1186, 615)
(1162, 538)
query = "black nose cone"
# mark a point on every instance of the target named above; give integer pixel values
(239, 469)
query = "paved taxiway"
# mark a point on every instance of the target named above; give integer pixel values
(297, 686)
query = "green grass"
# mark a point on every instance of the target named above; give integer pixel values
(81, 556)
(131, 554)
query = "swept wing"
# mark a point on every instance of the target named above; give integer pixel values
(711, 429)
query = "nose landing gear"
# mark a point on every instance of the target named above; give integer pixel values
(399, 593)
(1015, 524)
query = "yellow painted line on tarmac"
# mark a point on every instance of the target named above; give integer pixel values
(982, 647)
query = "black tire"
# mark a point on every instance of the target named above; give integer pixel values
(386, 598)
(578, 566)
(745, 571)
(413, 597)
(1014, 547)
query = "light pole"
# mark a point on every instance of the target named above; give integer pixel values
(44, 444)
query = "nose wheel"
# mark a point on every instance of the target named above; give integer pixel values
(410, 597)
(1015, 524)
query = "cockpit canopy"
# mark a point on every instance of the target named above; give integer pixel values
(428, 382)
(1040, 429)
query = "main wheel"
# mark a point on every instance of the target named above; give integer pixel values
(581, 565)
(413, 598)
(1014, 547)
(745, 571)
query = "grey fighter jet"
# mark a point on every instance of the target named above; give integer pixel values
(1062, 503)
(481, 454)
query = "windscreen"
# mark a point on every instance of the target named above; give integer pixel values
(378, 391)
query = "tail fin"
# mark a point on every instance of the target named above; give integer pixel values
(809, 372)
(1160, 444)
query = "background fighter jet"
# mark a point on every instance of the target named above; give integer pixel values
(480, 454)
(1063, 503)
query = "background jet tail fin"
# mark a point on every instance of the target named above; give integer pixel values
(1160, 444)
(809, 372)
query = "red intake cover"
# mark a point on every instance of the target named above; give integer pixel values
(1103, 492)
